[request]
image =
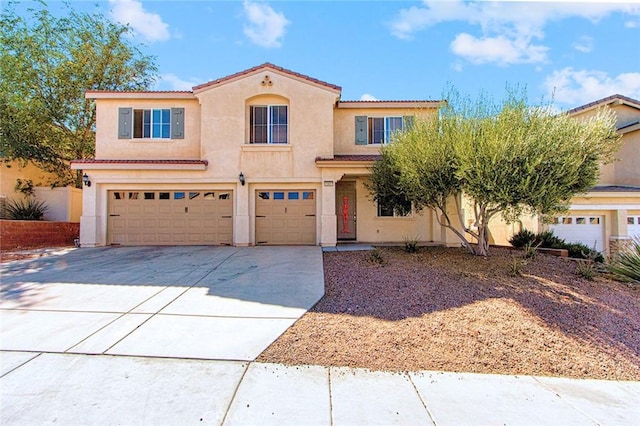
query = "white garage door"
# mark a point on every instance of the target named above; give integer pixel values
(633, 226)
(584, 229)
(148, 217)
(286, 217)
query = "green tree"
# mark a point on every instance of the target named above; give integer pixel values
(508, 158)
(46, 65)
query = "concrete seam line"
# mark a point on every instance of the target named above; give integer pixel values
(153, 315)
(424, 403)
(547, 388)
(37, 354)
(330, 397)
(235, 392)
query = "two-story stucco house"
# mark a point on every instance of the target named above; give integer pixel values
(609, 215)
(264, 156)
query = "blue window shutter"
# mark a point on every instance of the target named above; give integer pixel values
(407, 122)
(361, 130)
(177, 123)
(125, 119)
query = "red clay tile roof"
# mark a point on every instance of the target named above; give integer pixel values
(607, 100)
(94, 161)
(352, 157)
(267, 65)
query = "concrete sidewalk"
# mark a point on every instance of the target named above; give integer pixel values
(71, 389)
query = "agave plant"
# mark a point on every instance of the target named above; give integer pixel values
(28, 209)
(626, 266)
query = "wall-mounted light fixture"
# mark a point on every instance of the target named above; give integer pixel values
(241, 178)
(85, 180)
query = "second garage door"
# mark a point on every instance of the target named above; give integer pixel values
(286, 217)
(588, 230)
(148, 217)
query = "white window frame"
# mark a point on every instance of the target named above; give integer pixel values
(395, 214)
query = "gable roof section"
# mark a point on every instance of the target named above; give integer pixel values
(609, 100)
(271, 67)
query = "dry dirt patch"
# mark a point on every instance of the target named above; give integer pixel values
(443, 309)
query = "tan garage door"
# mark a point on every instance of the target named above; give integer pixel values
(286, 217)
(148, 217)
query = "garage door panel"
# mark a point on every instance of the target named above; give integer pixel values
(285, 217)
(170, 217)
(585, 229)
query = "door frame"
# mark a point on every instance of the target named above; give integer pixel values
(346, 211)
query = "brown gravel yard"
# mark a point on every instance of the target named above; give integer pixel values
(443, 309)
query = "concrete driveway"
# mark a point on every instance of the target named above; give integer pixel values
(222, 303)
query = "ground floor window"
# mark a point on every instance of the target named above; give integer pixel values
(387, 210)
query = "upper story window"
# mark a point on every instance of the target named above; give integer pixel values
(152, 123)
(379, 130)
(268, 124)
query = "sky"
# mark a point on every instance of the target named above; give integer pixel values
(571, 52)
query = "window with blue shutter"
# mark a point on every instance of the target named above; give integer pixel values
(177, 123)
(361, 130)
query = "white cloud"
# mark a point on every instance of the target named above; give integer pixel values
(510, 24)
(173, 82)
(146, 24)
(578, 87)
(368, 97)
(584, 44)
(266, 27)
(500, 49)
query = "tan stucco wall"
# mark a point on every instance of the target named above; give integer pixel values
(625, 170)
(225, 118)
(108, 146)
(345, 130)
(14, 170)
(373, 229)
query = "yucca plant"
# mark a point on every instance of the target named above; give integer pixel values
(28, 209)
(626, 265)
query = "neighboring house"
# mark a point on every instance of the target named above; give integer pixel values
(64, 203)
(609, 215)
(264, 156)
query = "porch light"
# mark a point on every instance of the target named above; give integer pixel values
(241, 178)
(85, 180)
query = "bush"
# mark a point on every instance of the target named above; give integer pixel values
(626, 266)
(582, 251)
(529, 241)
(546, 239)
(375, 256)
(522, 238)
(25, 210)
(411, 244)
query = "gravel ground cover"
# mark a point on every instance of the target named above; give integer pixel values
(443, 309)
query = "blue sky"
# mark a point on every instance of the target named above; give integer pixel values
(580, 51)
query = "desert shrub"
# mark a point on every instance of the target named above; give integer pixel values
(582, 251)
(530, 250)
(29, 209)
(375, 256)
(626, 266)
(586, 269)
(522, 238)
(515, 266)
(547, 239)
(411, 244)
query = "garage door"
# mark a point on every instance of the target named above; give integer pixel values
(286, 217)
(170, 217)
(588, 230)
(633, 226)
